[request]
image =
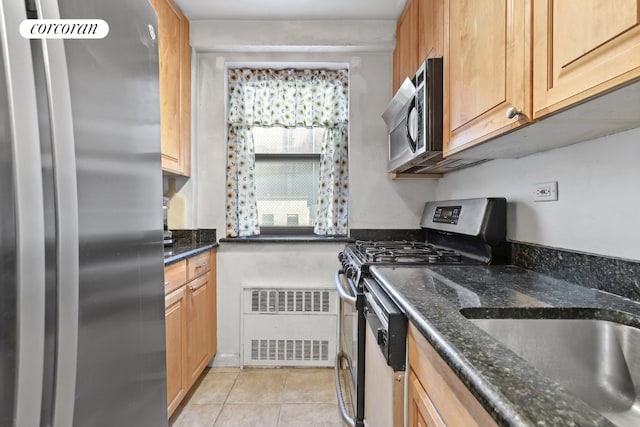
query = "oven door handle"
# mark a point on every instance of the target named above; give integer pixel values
(351, 422)
(345, 295)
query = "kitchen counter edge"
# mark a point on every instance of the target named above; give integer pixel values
(178, 253)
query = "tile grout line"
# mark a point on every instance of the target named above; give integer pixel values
(224, 403)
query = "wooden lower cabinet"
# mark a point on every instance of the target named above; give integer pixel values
(436, 396)
(190, 316)
(176, 330)
(199, 307)
(213, 301)
(422, 413)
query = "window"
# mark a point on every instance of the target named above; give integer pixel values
(287, 151)
(287, 178)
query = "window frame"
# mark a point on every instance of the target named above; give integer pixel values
(279, 230)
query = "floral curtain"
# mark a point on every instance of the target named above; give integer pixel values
(288, 98)
(333, 194)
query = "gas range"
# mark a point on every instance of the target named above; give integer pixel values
(471, 231)
(457, 232)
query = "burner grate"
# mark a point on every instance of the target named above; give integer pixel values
(405, 252)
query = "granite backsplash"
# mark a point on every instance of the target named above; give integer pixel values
(197, 236)
(613, 275)
(386, 234)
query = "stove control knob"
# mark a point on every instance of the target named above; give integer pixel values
(350, 272)
(341, 257)
(382, 336)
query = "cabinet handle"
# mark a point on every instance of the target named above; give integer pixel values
(167, 283)
(513, 112)
(194, 288)
(204, 264)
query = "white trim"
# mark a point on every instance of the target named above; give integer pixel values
(283, 65)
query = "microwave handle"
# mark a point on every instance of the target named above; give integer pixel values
(410, 139)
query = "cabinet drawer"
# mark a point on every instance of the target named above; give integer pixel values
(449, 397)
(198, 265)
(175, 275)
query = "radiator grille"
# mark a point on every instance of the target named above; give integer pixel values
(289, 301)
(289, 326)
(289, 350)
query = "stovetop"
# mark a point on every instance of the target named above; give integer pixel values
(466, 231)
(357, 257)
(402, 251)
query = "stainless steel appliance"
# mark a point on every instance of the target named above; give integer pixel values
(81, 269)
(468, 231)
(385, 358)
(414, 124)
(414, 117)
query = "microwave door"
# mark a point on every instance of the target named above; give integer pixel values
(412, 127)
(395, 112)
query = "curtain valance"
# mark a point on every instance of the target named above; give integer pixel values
(289, 98)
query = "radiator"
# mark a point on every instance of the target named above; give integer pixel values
(289, 327)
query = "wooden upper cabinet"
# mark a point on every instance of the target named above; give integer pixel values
(405, 55)
(583, 48)
(419, 34)
(487, 70)
(175, 87)
(430, 29)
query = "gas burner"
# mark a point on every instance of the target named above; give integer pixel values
(368, 245)
(409, 253)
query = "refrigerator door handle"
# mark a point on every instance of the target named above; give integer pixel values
(66, 201)
(29, 213)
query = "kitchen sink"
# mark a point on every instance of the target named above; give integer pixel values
(597, 361)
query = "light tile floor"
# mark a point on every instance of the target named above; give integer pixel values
(260, 398)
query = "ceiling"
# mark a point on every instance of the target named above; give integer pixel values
(290, 9)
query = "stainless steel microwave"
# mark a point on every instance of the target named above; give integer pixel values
(414, 119)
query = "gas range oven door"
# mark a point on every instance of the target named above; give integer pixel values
(348, 378)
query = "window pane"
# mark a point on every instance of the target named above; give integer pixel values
(287, 191)
(289, 140)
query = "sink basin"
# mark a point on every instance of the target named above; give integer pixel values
(595, 360)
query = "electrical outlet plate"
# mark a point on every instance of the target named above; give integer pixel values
(545, 191)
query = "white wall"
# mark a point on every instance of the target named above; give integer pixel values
(598, 208)
(597, 179)
(375, 200)
(241, 265)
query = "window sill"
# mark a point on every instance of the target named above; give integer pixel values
(302, 238)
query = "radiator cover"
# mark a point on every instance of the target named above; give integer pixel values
(289, 327)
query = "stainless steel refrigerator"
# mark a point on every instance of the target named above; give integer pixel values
(82, 338)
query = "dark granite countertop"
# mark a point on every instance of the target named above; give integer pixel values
(292, 238)
(511, 390)
(176, 253)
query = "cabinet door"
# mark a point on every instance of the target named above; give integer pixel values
(176, 347)
(430, 28)
(441, 398)
(582, 48)
(422, 413)
(198, 325)
(173, 27)
(487, 70)
(213, 311)
(405, 55)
